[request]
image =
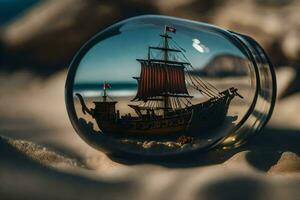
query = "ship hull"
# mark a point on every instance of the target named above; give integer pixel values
(163, 126)
(209, 115)
(204, 117)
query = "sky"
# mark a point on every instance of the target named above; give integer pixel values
(114, 58)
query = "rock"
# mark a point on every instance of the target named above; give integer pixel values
(223, 66)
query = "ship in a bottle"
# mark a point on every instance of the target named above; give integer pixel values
(162, 104)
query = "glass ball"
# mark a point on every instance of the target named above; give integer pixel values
(161, 86)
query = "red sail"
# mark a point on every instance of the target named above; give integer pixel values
(158, 79)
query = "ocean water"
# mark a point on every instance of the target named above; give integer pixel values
(119, 89)
(116, 89)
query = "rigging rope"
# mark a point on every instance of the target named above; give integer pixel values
(200, 78)
(213, 90)
(178, 45)
(203, 82)
(204, 87)
(205, 92)
(207, 89)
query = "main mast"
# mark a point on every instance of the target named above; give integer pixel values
(162, 78)
(104, 97)
(166, 46)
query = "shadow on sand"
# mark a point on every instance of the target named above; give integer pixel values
(262, 152)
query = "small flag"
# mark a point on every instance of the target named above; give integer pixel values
(170, 29)
(106, 86)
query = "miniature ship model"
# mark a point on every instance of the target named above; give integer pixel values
(165, 105)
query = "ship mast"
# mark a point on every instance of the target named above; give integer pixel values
(104, 97)
(166, 97)
(161, 80)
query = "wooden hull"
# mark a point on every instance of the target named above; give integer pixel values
(209, 115)
(203, 117)
(163, 126)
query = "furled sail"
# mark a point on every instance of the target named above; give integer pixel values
(159, 79)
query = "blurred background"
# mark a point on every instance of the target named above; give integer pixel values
(42, 36)
(38, 39)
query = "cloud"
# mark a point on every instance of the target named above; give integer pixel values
(199, 46)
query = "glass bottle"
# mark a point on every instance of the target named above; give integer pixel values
(162, 86)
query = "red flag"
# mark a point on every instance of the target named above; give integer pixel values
(170, 29)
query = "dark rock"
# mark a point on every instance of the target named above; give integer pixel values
(223, 66)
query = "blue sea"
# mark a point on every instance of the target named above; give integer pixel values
(116, 89)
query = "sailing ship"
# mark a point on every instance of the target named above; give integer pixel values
(162, 104)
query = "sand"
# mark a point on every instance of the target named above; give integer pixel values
(43, 158)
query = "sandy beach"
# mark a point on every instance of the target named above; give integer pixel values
(43, 157)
